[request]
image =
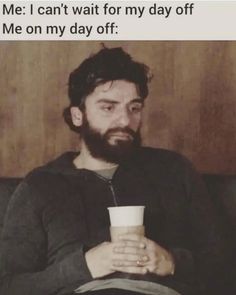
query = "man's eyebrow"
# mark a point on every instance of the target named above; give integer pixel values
(106, 100)
(138, 100)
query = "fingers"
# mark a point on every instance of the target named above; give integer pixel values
(129, 254)
(157, 260)
(131, 243)
(133, 258)
(161, 264)
(134, 240)
(132, 237)
(129, 250)
(139, 254)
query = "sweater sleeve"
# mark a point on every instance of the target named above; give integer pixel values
(23, 262)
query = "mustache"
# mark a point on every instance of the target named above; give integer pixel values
(126, 130)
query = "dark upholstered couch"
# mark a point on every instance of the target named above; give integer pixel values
(222, 189)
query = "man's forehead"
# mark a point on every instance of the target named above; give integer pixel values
(104, 87)
(117, 88)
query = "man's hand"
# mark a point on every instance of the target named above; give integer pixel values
(133, 254)
(107, 258)
(152, 257)
(99, 260)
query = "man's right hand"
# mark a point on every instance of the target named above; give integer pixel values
(103, 259)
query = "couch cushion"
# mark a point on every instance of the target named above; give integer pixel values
(222, 189)
(7, 187)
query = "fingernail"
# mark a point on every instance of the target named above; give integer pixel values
(145, 258)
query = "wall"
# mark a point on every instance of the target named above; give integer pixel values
(191, 107)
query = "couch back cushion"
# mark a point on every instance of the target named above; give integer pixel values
(7, 187)
(222, 189)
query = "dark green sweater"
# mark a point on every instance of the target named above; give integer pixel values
(58, 212)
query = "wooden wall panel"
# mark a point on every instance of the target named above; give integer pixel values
(191, 107)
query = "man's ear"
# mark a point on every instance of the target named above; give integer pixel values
(76, 116)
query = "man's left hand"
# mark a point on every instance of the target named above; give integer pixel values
(154, 258)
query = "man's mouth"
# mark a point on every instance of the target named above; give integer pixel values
(121, 135)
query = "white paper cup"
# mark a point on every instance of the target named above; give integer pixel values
(126, 220)
(126, 215)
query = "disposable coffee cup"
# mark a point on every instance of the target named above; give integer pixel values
(126, 220)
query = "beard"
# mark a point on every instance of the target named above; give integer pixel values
(100, 147)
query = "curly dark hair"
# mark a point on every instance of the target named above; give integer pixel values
(108, 64)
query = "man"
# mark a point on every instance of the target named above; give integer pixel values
(56, 233)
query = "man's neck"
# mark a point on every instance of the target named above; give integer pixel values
(86, 161)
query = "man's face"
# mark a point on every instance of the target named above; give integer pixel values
(111, 120)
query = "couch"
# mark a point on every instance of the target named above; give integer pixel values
(222, 189)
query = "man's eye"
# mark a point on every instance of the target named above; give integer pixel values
(136, 108)
(107, 108)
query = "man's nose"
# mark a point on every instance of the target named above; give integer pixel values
(123, 119)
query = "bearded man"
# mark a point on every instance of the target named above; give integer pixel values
(56, 234)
